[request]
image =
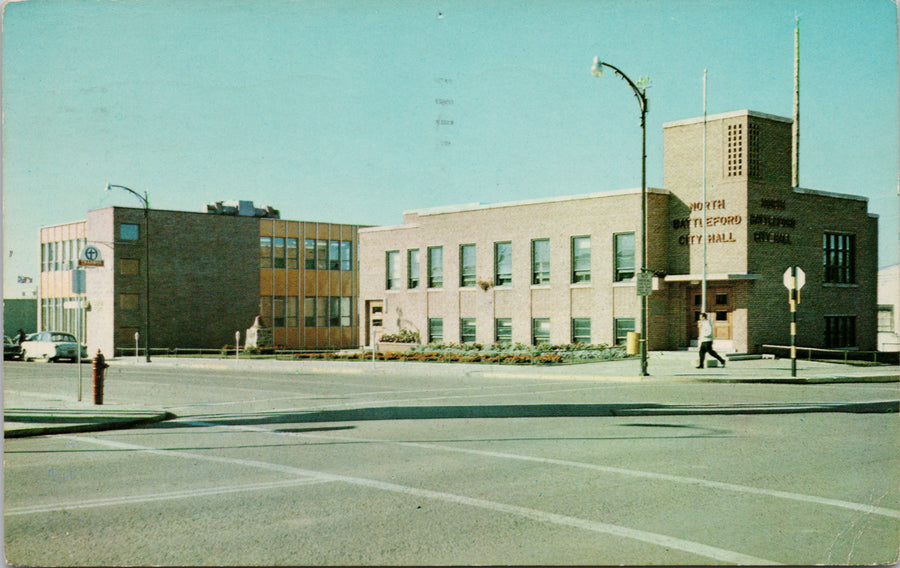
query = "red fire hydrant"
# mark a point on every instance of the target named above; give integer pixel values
(99, 366)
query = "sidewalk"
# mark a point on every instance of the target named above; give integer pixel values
(33, 414)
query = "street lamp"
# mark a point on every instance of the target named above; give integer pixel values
(145, 200)
(639, 89)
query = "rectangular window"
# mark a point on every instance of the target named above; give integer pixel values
(735, 150)
(309, 254)
(278, 252)
(435, 330)
(623, 326)
(467, 330)
(265, 252)
(502, 264)
(129, 301)
(278, 312)
(840, 258)
(392, 261)
(334, 255)
(540, 331)
(346, 256)
(581, 259)
(265, 310)
(412, 268)
(129, 266)
(624, 251)
(885, 318)
(346, 311)
(321, 255)
(293, 318)
(840, 331)
(581, 330)
(435, 267)
(466, 266)
(321, 312)
(309, 311)
(540, 261)
(503, 330)
(334, 311)
(293, 253)
(129, 232)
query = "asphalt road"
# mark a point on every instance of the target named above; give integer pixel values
(287, 468)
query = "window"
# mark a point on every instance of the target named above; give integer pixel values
(540, 261)
(503, 330)
(293, 253)
(346, 311)
(581, 330)
(278, 250)
(129, 266)
(581, 259)
(840, 258)
(129, 232)
(540, 331)
(435, 330)
(885, 318)
(721, 299)
(393, 270)
(753, 150)
(467, 330)
(293, 318)
(624, 251)
(334, 255)
(309, 254)
(435, 267)
(334, 311)
(129, 301)
(309, 311)
(502, 264)
(321, 312)
(346, 256)
(623, 326)
(840, 331)
(734, 155)
(265, 252)
(466, 266)
(412, 268)
(321, 255)
(265, 309)
(278, 312)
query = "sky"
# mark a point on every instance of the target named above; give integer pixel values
(353, 111)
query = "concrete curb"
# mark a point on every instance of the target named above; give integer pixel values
(19, 423)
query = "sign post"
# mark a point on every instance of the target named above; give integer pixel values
(794, 279)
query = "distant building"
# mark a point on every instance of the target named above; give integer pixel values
(19, 313)
(210, 273)
(562, 270)
(888, 312)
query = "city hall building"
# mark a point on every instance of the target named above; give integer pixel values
(210, 274)
(562, 269)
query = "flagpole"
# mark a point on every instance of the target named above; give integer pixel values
(703, 286)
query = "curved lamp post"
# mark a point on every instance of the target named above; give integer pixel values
(639, 89)
(145, 200)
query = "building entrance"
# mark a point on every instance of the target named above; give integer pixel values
(718, 306)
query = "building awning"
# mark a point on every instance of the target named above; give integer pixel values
(718, 277)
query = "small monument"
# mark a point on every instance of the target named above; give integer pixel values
(257, 335)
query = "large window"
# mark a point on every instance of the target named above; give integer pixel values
(623, 326)
(540, 261)
(265, 252)
(435, 267)
(435, 330)
(466, 266)
(840, 331)
(624, 251)
(309, 254)
(321, 255)
(392, 269)
(502, 264)
(293, 253)
(278, 311)
(129, 232)
(467, 330)
(540, 331)
(581, 330)
(326, 311)
(840, 258)
(334, 255)
(412, 268)
(581, 259)
(346, 256)
(503, 330)
(278, 250)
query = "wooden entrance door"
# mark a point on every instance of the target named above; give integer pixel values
(718, 306)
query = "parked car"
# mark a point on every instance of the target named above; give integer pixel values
(52, 346)
(11, 349)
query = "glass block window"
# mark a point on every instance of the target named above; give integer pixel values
(734, 150)
(753, 161)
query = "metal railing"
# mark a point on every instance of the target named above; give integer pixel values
(846, 355)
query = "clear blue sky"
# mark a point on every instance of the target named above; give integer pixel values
(340, 110)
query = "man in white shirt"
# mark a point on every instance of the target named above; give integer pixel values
(706, 341)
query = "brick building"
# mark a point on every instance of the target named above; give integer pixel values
(562, 269)
(210, 275)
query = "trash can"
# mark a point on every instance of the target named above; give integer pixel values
(633, 343)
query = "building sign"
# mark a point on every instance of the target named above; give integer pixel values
(90, 256)
(717, 224)
(775, 225)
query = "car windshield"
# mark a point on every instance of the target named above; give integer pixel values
(62, 337)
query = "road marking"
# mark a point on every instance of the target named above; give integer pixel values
(188, 494)
(860, 507)
(657, 539)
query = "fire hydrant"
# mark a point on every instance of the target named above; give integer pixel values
(99, 366)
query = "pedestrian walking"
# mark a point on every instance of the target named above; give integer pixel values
(20, 336)
(706, 341)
